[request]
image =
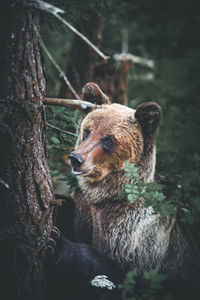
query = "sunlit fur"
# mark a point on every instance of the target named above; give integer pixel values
(110, 120)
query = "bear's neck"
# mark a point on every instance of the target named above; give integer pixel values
(147, 164)
(113, 184)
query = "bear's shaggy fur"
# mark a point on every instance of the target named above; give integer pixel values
(129, 234)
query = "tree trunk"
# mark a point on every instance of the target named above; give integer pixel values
(25, 180)
(112, 77)
(82, 57)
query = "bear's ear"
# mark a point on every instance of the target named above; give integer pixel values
(92, 93)
(148, 116)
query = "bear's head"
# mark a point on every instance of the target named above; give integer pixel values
(110, 134)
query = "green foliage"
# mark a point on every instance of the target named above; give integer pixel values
(149, 289)
(181, 195)
(186, 192)
(151, 192)
(128, 284)
(60, 143)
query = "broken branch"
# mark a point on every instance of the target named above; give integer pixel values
(135, 59)
(69, 102)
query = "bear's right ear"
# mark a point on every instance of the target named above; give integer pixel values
(92, 93)
(148, 116)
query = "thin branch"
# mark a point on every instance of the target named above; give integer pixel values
(6, 185)
(82, 37)
(55, 12)
(69, 102)
(62, 74)
(62, 130)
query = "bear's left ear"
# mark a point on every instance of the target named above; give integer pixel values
(148, 116)
(92, 93)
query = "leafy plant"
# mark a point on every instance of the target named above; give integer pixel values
(181, 195)
(60, 144)
(151, 192)
(149, 289)
(186, 193)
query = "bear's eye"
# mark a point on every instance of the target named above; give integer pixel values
(108, 143)
(86, 134)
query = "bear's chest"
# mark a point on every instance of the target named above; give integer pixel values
(133, 237)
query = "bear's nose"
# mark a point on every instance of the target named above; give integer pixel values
(76, 160)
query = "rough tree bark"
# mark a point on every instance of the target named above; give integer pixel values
(82, 57)
(25, 181)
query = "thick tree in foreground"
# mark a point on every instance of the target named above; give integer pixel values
(25, 181)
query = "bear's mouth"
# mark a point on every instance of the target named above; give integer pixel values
(77, 171)
(86, 173)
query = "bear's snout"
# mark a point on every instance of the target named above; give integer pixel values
(76, 161)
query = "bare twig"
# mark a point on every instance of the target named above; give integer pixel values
(6, 185)
(62, 74)
(55, 11)
(62, 130)
(68, 102)
(82, 37)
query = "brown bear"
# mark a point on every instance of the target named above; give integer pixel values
(113, 236)
(129, 234)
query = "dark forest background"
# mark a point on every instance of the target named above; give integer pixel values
(166, 32)
(165, 37)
